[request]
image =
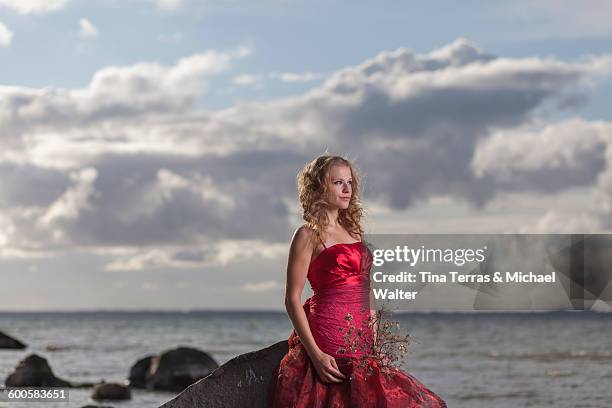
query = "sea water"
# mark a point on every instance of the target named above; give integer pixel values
(506, 360)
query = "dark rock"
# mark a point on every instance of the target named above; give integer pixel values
(172, 370)
(96, 406)
(34, 371)
(243, 381)
(60, 347)
(138, 372)
(7, 342)
(111, 391)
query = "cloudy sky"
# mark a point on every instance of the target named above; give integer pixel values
(148, 148)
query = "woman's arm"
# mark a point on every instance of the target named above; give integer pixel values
(300, 253)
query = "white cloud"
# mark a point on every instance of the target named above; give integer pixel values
(114, 92)
(556, 157)
(74, 199)
(33, 6)
(119, 284)
(556, 222)
(171, 174)
(230, 251)
(46, 6)
(152, 286)
(226, 252)
(6, 228)
(6, 36)
(88, 30)
(245, 80)
(152, 258)
(297, 77)
(262, 286)
(169, 4)
(169, 182)
(258, 80)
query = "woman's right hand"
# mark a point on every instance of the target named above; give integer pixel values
(326, 368)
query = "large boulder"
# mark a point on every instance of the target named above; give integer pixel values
(172, 370)
(34, 371)
(139, 371)
(7, 342)
(244, 381)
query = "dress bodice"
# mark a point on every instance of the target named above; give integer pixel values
(339, 265)
(340, 280)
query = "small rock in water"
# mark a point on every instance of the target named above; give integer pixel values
(34, 371)
(58, 347)
(8, 342)
(111, 391)
(97, 406)
(172, 370)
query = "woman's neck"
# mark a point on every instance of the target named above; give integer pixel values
(332, 216)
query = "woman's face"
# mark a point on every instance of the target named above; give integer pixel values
(341, 188)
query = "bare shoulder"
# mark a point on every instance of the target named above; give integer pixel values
(303, 236)
(301, 244)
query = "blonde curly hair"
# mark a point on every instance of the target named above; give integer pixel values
(312, 186)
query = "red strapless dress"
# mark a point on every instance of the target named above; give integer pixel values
(340, 279)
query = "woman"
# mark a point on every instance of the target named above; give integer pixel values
(320, 368)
